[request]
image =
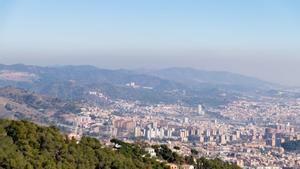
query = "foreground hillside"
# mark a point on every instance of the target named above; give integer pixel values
(26, 145)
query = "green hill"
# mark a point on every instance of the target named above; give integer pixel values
(26, 145)
(29, 146)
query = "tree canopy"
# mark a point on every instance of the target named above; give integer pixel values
(24, 145)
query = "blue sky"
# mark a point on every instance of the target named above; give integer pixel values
(252, 37)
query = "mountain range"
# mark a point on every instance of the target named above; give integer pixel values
(171, 85)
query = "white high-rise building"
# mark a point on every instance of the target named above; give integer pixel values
(201, 110)
(207, 133)
(223, 139)
(148, 133)
(186, 120)
(154, 125)
(137, 132)
(161, 133)
(170, 133)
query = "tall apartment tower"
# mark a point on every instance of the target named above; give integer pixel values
(201, 110)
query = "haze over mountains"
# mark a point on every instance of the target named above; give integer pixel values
(194, 77)
(171, 85)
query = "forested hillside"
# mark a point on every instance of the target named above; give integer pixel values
(29, 146)
(26, 145)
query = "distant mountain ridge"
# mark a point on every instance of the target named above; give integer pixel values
(196, 77)
(170, 85)
(178, 74)
(88, 74)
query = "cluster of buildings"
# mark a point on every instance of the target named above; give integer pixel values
(216, 135)
(262, 111)
(250, 133)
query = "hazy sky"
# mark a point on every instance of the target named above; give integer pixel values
(260, 38)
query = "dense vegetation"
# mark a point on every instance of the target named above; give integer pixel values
(29, 146)
(163, 152)
(292, 145)
(203, 163)
(25, 145)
